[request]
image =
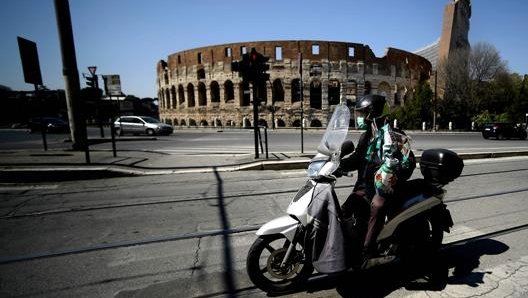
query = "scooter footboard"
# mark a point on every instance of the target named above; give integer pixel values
(285, 225)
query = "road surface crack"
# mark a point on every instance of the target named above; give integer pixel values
(196, 257)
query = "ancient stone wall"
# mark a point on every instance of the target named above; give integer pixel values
(197, 87)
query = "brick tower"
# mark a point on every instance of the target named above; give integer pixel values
(455, 28)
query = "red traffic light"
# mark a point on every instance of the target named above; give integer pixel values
(253, 67)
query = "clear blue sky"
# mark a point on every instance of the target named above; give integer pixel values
(128, 37)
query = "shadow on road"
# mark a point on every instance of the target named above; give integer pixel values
(433, 275)
(224, 223)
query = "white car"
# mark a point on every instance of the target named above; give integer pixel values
(141, 125)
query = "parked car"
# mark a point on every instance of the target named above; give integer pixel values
(141, 125)
(501, 130)
(51, 125)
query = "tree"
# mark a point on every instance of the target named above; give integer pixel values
(453, 74)
(469, 79)
(519, 107)
(418, 109)
(505, 100)
(144, 106)
(487, 71)
(485, 63)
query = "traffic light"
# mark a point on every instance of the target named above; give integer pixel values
(252, 68)
(92, 81)
(242, 67)
(258, 66)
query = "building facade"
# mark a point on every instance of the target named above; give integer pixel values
(197, 87)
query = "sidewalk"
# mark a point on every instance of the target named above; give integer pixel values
(60, 165)
(18, 166)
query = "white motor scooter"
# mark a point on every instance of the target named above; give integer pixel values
(314, 233)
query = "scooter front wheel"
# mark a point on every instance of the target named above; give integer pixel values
(264, 265)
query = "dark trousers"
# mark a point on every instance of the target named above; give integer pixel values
(376, 221)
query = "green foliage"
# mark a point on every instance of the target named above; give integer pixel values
(477, 86)
(417, 110)
(505, 100)
(483, 118)
(504, 117)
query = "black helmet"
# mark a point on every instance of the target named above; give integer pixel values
(374, 106)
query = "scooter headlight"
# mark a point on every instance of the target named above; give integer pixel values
(315, 167)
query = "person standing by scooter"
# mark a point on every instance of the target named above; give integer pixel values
(383, 159)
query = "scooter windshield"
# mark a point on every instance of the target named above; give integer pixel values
(336, 131)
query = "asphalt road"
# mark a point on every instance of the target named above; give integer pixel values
(241, 141)
(188, 235)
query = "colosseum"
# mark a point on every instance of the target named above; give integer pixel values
(197, 87)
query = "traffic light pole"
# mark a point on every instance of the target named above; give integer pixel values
(253, 69)
(255, 117)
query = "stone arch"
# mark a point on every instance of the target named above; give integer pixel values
(183, 122)
(402, 94)
(351, 92)
(246, 122)
(277, 91)
(295, 90)
(368, 88)
(334, 92)
(296, 123)
(174, 101)
(167, 98)
(229, 91)
(215, 92)
(316, 96)
(204, 122)
(281, 123)
(175, 122)
(192, 122)
(262, 92)
(190, 95)
(245, 97)
(181, 94)
(202, 95)
(316, 123)
(262, 122)
(384, 89)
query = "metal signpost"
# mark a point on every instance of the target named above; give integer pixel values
(112, 86)
(31, 68)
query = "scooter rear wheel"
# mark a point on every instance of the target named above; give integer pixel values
(419, 237)
(264, 265)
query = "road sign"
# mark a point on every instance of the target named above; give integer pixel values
(112, 85)
(92, 69)
(30, 61)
